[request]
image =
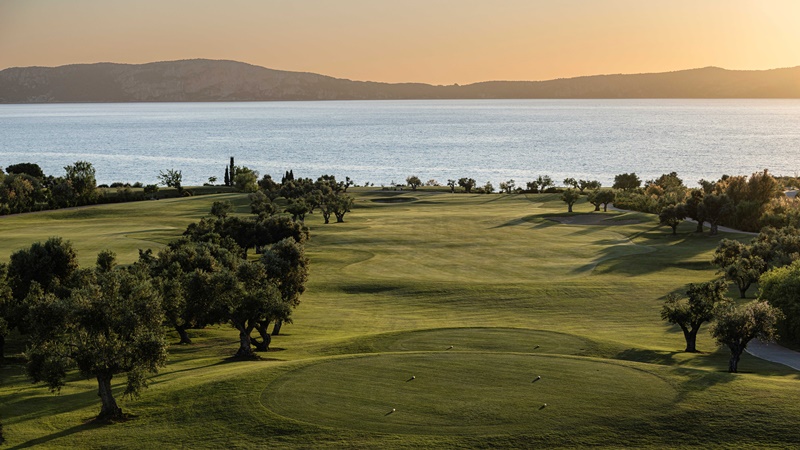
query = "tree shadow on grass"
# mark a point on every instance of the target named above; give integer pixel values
(619, 256)
(30, 404)
(665, 358)
(89, 425)
(525, 220)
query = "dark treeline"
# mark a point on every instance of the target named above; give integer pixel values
(24, 187)
(740, 202)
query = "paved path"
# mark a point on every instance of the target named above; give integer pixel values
(775, 353)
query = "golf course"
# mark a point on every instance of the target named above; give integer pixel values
(429, 320)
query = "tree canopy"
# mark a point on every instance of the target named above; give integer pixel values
(739, 263)
(736, 326)
(627, 181)
(781, 288)
(414, 182)
(109, 326)
(697, 308)
(672, 216)
(570, 196)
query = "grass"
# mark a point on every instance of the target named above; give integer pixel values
(390, 290)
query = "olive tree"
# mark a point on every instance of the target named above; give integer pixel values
(51, 266)
(544, 182)
(178, 274)
(505, 186)
(739, 264)
(570, 196)
(109, 326)
(696, 309)
(81, 177)
(246, 179)
(414, 182)
(694, 209)
(261, 203)
(337, 204)
(715, 208)
(672, 216)
(298, 209)
(246, 297)
(287, 267)
(736, 326)
(171, 178)
(221, 208)
(781, 288)
(627, 181)
(467, 184)
(589, 184)
(599, 197)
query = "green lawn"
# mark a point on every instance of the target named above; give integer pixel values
(407, 276)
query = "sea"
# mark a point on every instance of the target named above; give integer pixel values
(383, 142)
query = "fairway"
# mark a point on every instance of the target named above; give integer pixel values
(473, 295)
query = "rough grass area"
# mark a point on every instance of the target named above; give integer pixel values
(390, 291)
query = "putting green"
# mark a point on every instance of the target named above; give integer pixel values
(466, 393)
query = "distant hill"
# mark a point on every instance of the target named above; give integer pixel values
(211, 80)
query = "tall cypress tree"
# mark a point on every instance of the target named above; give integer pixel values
(232, 173)
(227, 178)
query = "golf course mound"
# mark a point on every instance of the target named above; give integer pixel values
(510, 340)
(476, 393)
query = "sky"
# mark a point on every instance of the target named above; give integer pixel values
(430, 41)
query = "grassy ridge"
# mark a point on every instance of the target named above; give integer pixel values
(390, 290)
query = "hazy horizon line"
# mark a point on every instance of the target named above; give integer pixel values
(399, 82)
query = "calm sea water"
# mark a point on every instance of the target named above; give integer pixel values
(385, 141)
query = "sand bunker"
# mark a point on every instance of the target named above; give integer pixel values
(592, 219)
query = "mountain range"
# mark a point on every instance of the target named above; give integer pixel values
(202, 80)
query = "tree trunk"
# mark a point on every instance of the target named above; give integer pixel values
(699, 228)
(597, 207)
(185, 339)
(276, 330)
(266, 339)
(339, 218)
(713, 228)
(743, 290)
(245, 349)
(674, 229)
(736, 354)
(691, 339)
(109, 410)
(569, 209)
(2, 349)
(605, 207)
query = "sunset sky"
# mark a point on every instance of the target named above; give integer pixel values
(432, 41)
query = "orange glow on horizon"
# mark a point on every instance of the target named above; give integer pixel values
(431, 41)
